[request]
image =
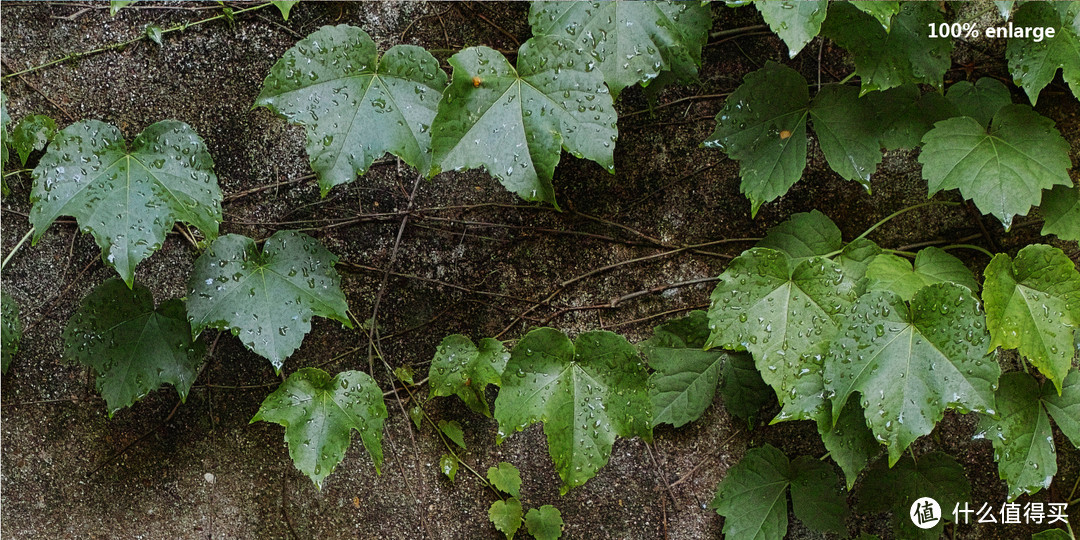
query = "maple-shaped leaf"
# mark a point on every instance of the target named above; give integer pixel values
(882, 10)
(506, 516)
(544, 523)
(133, 347)
(981, 100)
(1021, 434)
(355, 105)
(904, 114)
(515, 122)
(753, 496)
(888, 272)
(465, 369)
(319, 413)
(886, 59)
(1003, 169)
(267, 297)
(506, 478)
(849, 441)
(1061, 212)
(32, 133)
(630, 43)
(847, 131)
(1033, 305)
(10, 330)
(804, 235)
(910, 362)
(586, 392)
(1034, 64)
(854, 260)
(935, 475)
(127, 199)
(796, 22)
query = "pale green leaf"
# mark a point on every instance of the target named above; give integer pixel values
(284, 6)
(544, 523)
(1065, 408)
(1033, 305)
(804, 235)
(585, 392)
(1004, 170)
(506, 515)
(319, 414)
(32, 133)
(462, 368)
(1004, 8)
(888, 272)
(1034, 64)
(882, 10)
(505, 478)
(794, 21)
(128, 199)
(355, 105)
(116, 5)
(848, 132)
(448, 464)
(981, 100)
(935, 475)
(132, 347)
(10, 330)
(1061, 212)
(266, 298)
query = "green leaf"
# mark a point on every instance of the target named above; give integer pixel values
(848, 132)
(742, 388)
(514, 123)
(795, 22)
(404, 374)
(461, 368)
(935, 475)
(154, 33)
(1004, 8)
(453, 431)
(354, 105)
(886, 59)
(127, 199)
(817, 497)
(1053, 534)
(1003, 171)
(505, 478)
(802, 388)
(981, 100)
(544, 523)
(850, 443)
(772, 102)
(32, 133)
(855, 258)
(448, 464)
(630, 43)
(882, 10)
(685, 377)
(1033, 64)
(116, 5)
(1064, 408)
(586, 393)
(506, 515)
(1033, 305)
(904, 114)
(319, 414)
(910, 363)
(5, 120)
(804, 235)
(1021, 434)
(284, 6)
(267, 298)
(1061, 212)
(131, 346)
(416, 414)
(10, 330)
(888, 272)
(781, 312)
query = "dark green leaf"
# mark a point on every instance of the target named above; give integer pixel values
(32, 133)
(10, 330)
(850, 443)
(817, 497)
(888, 272)
(461, 368)
(506, 515)
(1053, 534)
(5, 120)
(505, 478)
(356, 106)
(1065, 408)
(935, 475)
(742, 388)
(1061, 212)
(127, 199)
(585, 392)
(904, 114)
(266, 298)
(453, 431)
(753, 496)
(544, 523)
(1003, 171)
(448, 464)
(981, 100)
(794, 21)
(319, 414)
(848, 132)
(882, 10)
(132, 347)
(154, 33)
(804, 235)
(1032, 63)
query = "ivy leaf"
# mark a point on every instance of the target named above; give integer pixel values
(685, 377)
(505, 478)
(132, 347)
(904, 114)
(882, 10)
(452, 430)
(586, 393)
(1033, 305)
(850, 443)
(888, 272)
(356, 106)
(1021, 434)
(910, 363)
(506, 515)
(128, 199)
(742, 388)
(772, 102)
(631, 43)
(981, 100)
(10, 330)
(319, 414)
(1004, 170)
(514, 122)
(267, 298)
(1033, 64)
(795, 22)
(848, 132)
(284, 6)
(779, 311)
(32, 133)
(448, 464)
(462, 368)
(1061, 212)
(886, 59)
(817, 498)
(935, 475)
(544, 523)
(804, 235)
